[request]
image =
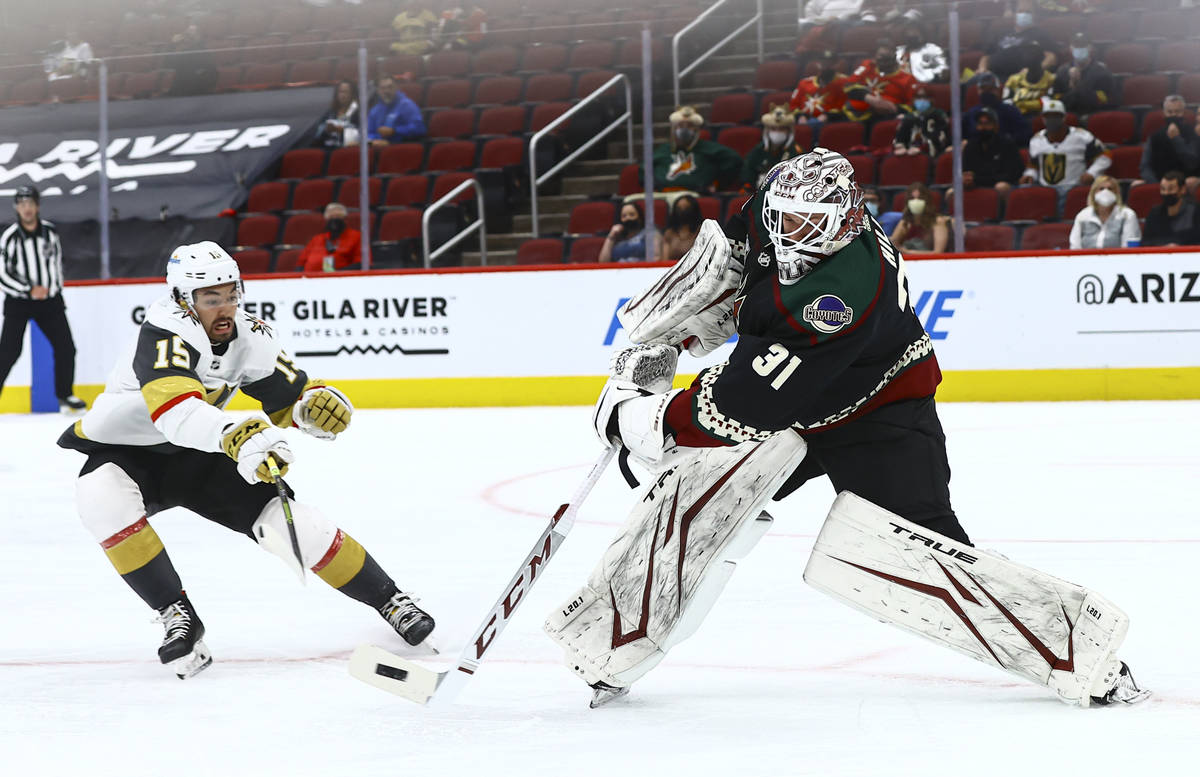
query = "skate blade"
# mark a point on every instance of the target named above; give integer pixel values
(602, 696)
(193, 663)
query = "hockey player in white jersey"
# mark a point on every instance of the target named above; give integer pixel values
(159, 437)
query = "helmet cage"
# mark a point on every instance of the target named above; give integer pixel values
(817, 190)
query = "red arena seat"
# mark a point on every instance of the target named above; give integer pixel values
(589, 218)
(990, 238)
(547, 250)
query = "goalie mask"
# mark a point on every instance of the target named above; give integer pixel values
(813, 209)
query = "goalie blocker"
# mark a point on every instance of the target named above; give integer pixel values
(1038, 627)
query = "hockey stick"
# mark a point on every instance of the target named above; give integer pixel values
(387, 671)
(270, 539)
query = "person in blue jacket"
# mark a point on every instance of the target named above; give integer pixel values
(394, 118)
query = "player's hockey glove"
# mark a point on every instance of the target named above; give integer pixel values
(250, 442)
(322, 411)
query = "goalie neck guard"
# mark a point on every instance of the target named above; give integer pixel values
(812, 209)
(200, 266)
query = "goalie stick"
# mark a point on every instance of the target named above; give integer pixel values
(394, 674)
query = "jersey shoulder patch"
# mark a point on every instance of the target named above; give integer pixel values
(838, 294)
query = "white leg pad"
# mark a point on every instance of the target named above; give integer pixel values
(661, 576)
(314, 531)
(108, 501)
(1044, 629)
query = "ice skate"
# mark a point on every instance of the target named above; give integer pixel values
(71, 405)
(411, 622)
(1124, 690)
(603, 693)
(183, 648)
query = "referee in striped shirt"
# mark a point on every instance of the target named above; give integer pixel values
(31, 278)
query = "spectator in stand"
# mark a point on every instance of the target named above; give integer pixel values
(414, 28)
(916, 54)
(1175, 222)
(990, 158)
(924, 131)
(1176, 146)
(460, 29)
(1010, 120)
(195, 68)
(819, 98)
(1085, 85)
(339, 127)
(778, 144)
(72, 59)
(1106, 222)
(1014, 49)
(1026, 88)
(688, 163)
(873, 201)
(878, 88)
(626, 241)
(1063, 156)
(682, 227)
(336, 248)
(921, 230)
(393, 118)
(822, 21)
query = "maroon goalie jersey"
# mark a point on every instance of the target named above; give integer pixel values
(836, 344)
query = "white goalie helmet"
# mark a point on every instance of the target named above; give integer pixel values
(823, 206)
(199, 266)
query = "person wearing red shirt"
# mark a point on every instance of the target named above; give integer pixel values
(337, 248)
(878, 88)
(820, 97)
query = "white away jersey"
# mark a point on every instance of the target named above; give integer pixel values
(1062, 163)
(173, 384)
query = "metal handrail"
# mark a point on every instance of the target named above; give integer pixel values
(478, 223)
(679, 74)
(627, 116)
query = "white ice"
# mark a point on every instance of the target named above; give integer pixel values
(779, 681)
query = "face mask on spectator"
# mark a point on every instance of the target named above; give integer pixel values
(1176, 120)
(1053, 123)
(1170, 200)
(631, 225)
(872, 207)
(1024, 20)
(335, 226)
(990, 99)
(916, 207)
(1105, 198)
(684, 136)
(777, 137)
(921, 104)
(827, 75)
(886, 64)
(1079, 54)
(985, 133)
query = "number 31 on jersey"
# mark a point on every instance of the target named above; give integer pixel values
(767, 363)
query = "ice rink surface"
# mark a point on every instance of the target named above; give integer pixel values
(780, 680)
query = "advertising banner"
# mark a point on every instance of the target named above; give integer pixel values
(1055, 327)
(175, 156)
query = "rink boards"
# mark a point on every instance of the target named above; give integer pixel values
(1068, 326)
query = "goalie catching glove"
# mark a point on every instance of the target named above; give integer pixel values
(322, 411)
(250, 443)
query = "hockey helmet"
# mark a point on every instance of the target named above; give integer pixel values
(200, 266)
(823, 206)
